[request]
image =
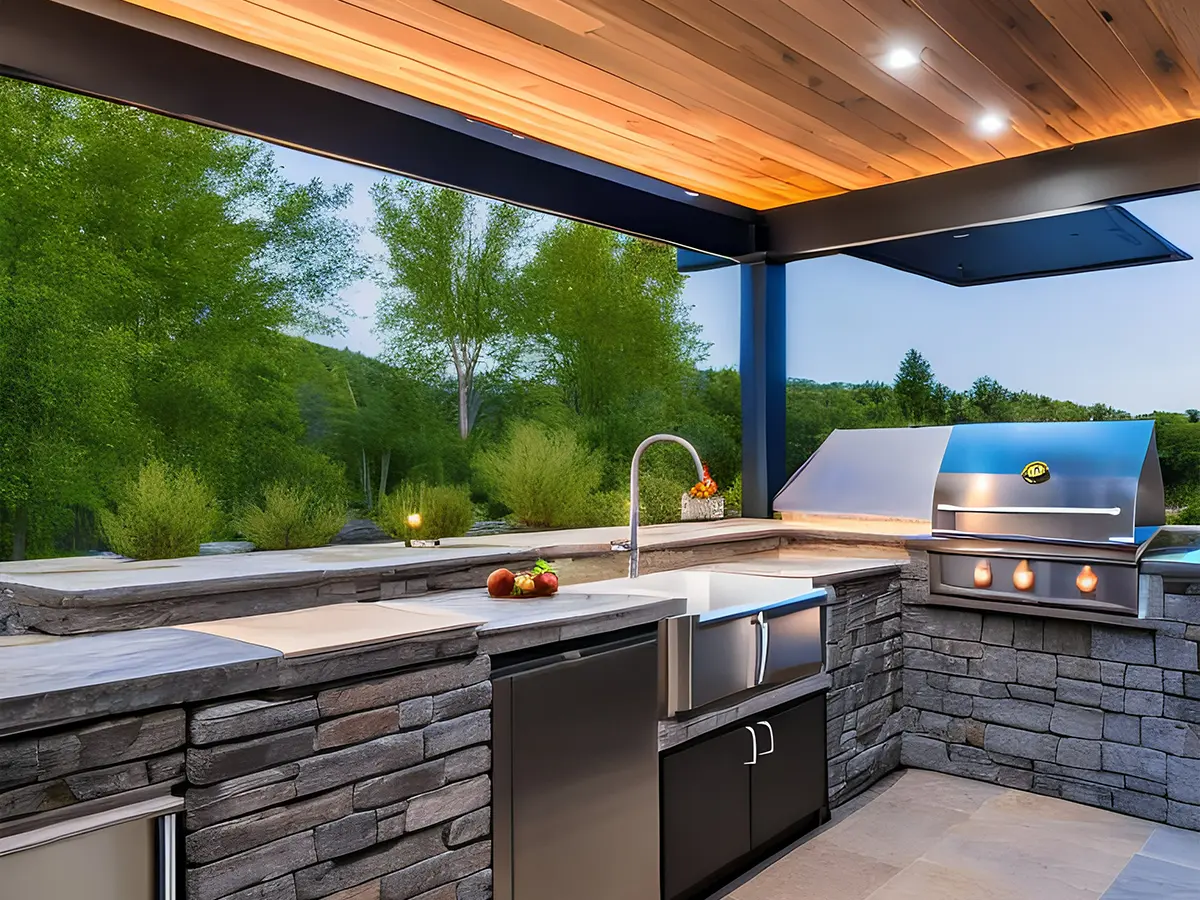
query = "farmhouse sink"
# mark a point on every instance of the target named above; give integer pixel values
(741, 633)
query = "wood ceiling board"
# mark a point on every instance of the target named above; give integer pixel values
(979, 28)
(778, 116)
(1085, 29)
(1155, 50)
(821, 105)
(730, 107)
(663, 113)
(294, 36)
(834, 28)
(773, 46)
(560, 13)
(120, 51)
(855, 58)
(908, 25)
(760, 102)
(803, 40)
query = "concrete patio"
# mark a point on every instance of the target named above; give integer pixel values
(925, 836)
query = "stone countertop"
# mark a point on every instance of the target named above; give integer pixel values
(48, 681)
(575, 611)
(104, 579)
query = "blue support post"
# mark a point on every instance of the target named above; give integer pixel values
(764, 385)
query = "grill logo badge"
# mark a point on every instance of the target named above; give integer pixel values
(1036, 472)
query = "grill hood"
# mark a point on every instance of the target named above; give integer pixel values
(1083, 482)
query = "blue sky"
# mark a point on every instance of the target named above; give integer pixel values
(1123, 337)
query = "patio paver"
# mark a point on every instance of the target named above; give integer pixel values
(928, 836)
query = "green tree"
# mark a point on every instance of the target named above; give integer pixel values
(916, 388)
(150, 271)
(990, 398)
(605, 317)
(451, 283)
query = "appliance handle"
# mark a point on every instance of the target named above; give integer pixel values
(771, 735)
(753, 747)
(818, 597)
(764, 638)
(1034, 510)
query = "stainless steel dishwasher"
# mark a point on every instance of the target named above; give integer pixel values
(575, 769)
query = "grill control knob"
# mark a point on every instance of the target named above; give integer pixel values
(1023, 577)
(1086, 580)
(983, 574)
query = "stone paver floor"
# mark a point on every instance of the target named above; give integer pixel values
(925, 836)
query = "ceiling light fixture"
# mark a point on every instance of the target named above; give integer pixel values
(692, 193)
(991, 123)
(902, 58)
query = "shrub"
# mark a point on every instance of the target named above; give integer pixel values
(162, 514)
(733, 495)
(547, 478)
(660, 498)
(292, 517)
(445, 511)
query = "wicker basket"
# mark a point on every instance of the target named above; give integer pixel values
(694, 509)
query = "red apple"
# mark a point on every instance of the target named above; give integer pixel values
(546, 582)
(500, 583)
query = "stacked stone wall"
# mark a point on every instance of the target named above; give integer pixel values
(51, 770)
(864, 658)
(374, 790)
(1100, 714)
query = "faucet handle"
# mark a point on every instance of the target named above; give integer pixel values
(622, 546)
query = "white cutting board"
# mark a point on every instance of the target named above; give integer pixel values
(340, 626)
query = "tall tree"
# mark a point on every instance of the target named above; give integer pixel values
(149, 273)
(990, 397)
(606, 323)
(916, 388)
(606, 315)
(451, 283)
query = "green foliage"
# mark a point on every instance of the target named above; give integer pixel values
(444, 511)
(733, 495)
(661, 496)
(162, 514)
(292, 517)
(547, 478)
(452, 284)
(915, 389)
(149, 272)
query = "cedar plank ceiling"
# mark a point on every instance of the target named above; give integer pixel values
(760, 102)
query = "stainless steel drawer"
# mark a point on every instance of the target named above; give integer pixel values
(712, 655)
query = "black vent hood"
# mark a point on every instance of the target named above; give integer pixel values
(1087, 241)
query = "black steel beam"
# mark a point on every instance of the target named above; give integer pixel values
(292, 103)
(1147, 163)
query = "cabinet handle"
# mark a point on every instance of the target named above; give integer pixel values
(764, 636)
(771, 735)
(753, 746)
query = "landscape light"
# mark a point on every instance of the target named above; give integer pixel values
(414, 520)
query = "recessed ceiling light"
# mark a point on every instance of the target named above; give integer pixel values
(991, 123)
(963, 235)
(692, 193)
(901, 58)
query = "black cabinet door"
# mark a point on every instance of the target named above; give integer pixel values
(789, 782)
(705, 810)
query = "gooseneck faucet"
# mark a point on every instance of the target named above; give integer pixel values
(633, 489)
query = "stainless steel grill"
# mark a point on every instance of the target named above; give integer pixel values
(1063, 514)
(1051, 513)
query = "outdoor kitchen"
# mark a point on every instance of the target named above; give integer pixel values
(1001, 603)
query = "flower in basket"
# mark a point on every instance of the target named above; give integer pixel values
(705, 488)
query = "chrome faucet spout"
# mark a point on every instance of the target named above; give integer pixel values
(634, 491)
